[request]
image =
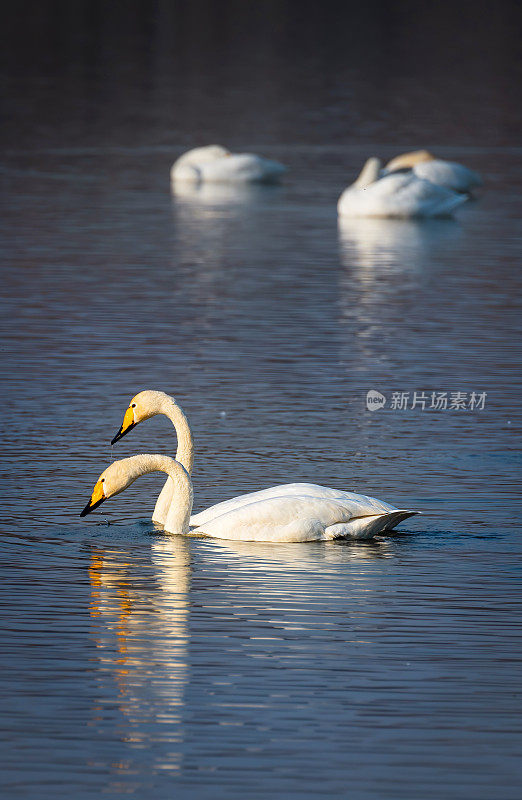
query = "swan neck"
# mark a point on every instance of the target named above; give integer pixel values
(185, 449)
(182, 495)
(369, 173)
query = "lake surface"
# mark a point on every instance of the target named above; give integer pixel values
(137, 664)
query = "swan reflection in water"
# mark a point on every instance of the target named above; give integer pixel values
(140, 612)
(215, 226)
(368, 244)
(386, 263)
(205, 196)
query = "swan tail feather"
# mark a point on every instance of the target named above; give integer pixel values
(368, 526)
(395, 517)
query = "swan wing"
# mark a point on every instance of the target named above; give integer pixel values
(372, 505)
(448, 174)
(301, 518)
(242, 168)
(278, 519)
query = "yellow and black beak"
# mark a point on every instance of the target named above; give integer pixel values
(127, 425)
(97, 498)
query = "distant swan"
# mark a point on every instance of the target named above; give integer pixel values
(398, 194)
(148, 403)
(216, 164)
(294, 518)
(448, 174)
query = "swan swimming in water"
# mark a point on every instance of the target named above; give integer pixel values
(148, 403)
(289, 518)
(216, 164)
(396, 194)
(448, 174)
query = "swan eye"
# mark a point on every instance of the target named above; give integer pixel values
(133, 405)
(103, 480)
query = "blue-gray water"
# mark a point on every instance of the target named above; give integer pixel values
(146, 666)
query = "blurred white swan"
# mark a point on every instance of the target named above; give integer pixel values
(448, 174)
(397, 194)
(289, 518)
(148, 403)
(216, 164)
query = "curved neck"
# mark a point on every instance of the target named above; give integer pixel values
(369, 173)
(178, 515)
(185, 451)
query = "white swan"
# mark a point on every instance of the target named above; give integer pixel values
(216, 164)
(397, 194)
(448, 174)
(148, 403)
(291, 518)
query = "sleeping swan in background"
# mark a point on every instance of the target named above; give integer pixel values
(290, 518)
(448, 174)
(397, 194)
(149, 403)
(216, 164)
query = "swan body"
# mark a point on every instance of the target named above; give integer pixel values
(448, 174)
(301, 518)
(367, 515)
(368, 504)
(216, 164)
(399, 194)
(289, 518)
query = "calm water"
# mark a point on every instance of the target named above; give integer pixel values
(141, 665)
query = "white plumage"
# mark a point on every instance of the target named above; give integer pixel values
(293, 512)
(301, 518)
(448, 174)
(216, 164)
(401, 194)
(288, 518)
(366, 505)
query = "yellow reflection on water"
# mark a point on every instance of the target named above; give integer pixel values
(140, 613)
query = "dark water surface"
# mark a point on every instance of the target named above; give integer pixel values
(141, 665)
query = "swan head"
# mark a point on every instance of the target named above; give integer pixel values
(142, 406)
(115, 479)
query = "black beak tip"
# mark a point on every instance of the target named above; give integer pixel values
(91, 506)
(121, 433)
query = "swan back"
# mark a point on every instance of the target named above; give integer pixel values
(242, 168)
(448, 174)
(202, 155)
(369, 504)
